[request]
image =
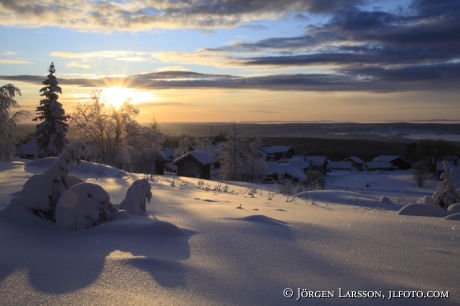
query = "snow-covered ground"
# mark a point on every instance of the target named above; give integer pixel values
(205, 247)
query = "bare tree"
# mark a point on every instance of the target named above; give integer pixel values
(420, 174)
(184, 147)
(234, 154)
(430, 151)
(103, 127)
(8, 137)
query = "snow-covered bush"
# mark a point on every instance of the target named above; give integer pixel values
(136, 197)
(83, 206)
(315, 180)
(447, 193)
(42, 191)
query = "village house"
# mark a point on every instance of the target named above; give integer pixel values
(337, 165)
(383, 166)
(195, 164)
(278, 152)
(397, 161)
(356, 162)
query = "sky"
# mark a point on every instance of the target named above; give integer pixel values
(240, 60)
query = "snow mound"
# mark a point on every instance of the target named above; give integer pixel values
(18, 213)
(426, 210)
(347, 198)
(136, 196)
(125, 224)
(454, 208)
(83, 206)
(386, 200)
(453, 217)
(42, 163)
(426, 200)
(264, 220)
(84, 167)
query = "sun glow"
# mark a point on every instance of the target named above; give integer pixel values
(118, 95)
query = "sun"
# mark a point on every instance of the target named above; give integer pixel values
(117, 95)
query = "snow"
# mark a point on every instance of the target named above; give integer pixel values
(29, 148)
(198, 246)
(454, 208)
(275, 149)
(299, 163)
(427, 210)
(136, 197)
(355, 159)
(292, 171)
(385, 158)
(316, 160)
(201, 156)
(379, 165)
(41, 191)
(339, 165)
(83, 206)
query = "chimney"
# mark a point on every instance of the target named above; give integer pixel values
(272, 158)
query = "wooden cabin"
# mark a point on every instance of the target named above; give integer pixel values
(356, 162)
(194, 164)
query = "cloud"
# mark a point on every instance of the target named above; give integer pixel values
(172, 68)
(358, 79)
(93, 15)
(7, 52)
(420, 44)
(13, 61)
(77, 65)
(112, 54)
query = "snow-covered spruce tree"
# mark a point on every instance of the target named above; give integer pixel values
(8, 124)
(234, 156)
(51, 132)
(447, 193)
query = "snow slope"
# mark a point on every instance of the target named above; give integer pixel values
(204, 247)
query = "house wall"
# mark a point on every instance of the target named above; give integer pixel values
(190, 167)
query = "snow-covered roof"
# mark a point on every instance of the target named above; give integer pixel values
(343, 165)
(355, 159)
(299, 163)
(214, 149)
(293, 171)
(271, 168)
(29, 148)
(281, 169)
(379, 165)
(385, 158)
(316, 160)
(201, 156)
(171, 166)
(440, 165)
(276, 149)
(263, 153)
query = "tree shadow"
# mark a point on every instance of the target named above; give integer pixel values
(60, 262)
